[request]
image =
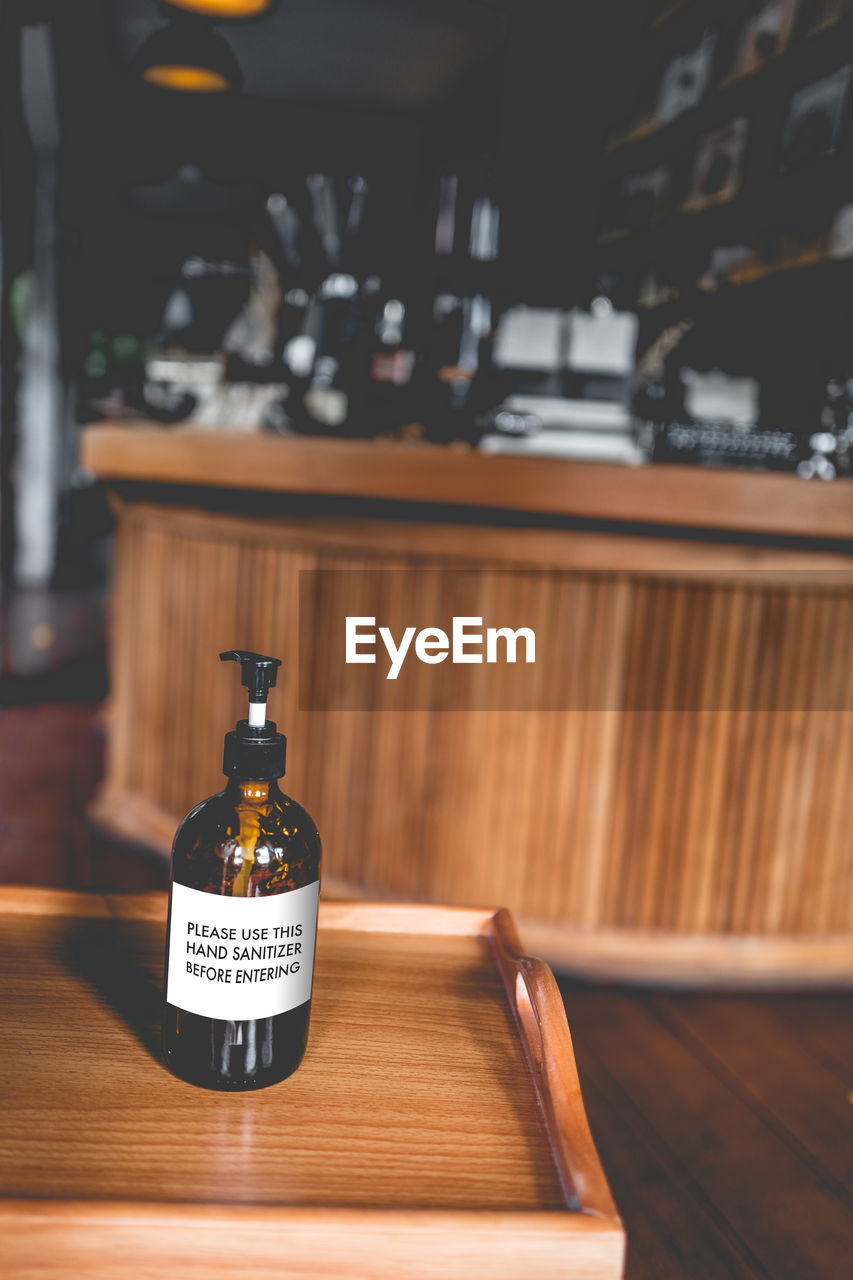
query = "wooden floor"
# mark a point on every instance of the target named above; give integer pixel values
(725, 1126)
(724, 1122)
(50, 763)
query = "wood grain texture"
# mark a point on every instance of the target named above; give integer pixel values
(667, 843)
(716, 1129)
(674, 495)
(727, 1133)
(412, 1136)
(797, 1094)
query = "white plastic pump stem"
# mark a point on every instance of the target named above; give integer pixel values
(257, 715)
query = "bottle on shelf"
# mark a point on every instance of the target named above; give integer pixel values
(328, 354)
(389, 402)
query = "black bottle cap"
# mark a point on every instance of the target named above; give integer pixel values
(254, 751)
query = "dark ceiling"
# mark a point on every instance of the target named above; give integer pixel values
(384, 53)
(515, 94)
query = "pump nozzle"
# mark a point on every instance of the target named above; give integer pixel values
(254, 749)
(258, 674)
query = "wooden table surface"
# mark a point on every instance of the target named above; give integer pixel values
(724, 1123)
(357, 1128)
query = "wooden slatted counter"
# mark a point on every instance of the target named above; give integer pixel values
(704, 841)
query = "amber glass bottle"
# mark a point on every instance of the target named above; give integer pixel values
(242, 915)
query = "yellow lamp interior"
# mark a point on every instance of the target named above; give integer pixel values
(224, 8)
(187, 79)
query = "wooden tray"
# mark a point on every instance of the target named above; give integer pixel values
(409, 1144)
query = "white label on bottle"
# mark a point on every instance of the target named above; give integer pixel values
(241, 958)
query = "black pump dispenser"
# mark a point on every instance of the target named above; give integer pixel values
(254, 751)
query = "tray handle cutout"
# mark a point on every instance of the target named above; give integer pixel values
(528, 1016)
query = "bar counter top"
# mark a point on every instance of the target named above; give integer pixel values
(749, 502)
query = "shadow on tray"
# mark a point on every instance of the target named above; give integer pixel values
(119, 961)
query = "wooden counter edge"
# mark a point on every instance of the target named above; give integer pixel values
(718, 961)
(670, 495)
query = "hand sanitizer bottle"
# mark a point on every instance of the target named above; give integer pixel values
(242, 914)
